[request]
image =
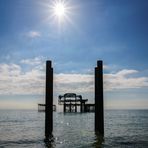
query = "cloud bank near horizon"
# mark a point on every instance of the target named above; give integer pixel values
(14, 80)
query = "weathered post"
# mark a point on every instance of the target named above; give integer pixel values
(75, 105)
(64, 107)
(81, 107)
(49, 100)
(99, 108)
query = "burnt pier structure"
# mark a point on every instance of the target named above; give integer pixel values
(71, 102)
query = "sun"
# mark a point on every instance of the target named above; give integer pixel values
(60, 12)
(59, 9)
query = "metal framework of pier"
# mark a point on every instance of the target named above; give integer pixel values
(99, 108)
(71, 102)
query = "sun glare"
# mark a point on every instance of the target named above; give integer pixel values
(59, 9)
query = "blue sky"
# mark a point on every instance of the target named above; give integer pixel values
(115, 31)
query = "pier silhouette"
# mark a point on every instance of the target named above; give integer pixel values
(71, 101)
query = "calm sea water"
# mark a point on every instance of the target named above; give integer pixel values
(123, 129)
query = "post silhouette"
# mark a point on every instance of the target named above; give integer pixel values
(99, 108)
(49, 100)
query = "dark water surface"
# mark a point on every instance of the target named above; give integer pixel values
(123, 129)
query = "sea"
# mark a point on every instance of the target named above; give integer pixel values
(25, 129)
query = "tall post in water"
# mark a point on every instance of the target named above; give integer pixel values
(81, 105)
(99, 108)
(64, 107)
(49, 100)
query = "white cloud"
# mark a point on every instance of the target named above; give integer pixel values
(77, 83)
(33, 34)
(85, 83)
(125, 72)
(105, 67)
(14, 81)
(35, 61)
(121, 80)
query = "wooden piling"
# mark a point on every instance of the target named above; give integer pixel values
(99, 108)
(75, 105)
(64, 107)
(70, 107)
(49, 100)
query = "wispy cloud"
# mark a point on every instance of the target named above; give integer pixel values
(77, 83)
(124, 79)
(105, 67)
(33, 34)
(34, 61)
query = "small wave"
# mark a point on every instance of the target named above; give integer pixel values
(6, 143)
